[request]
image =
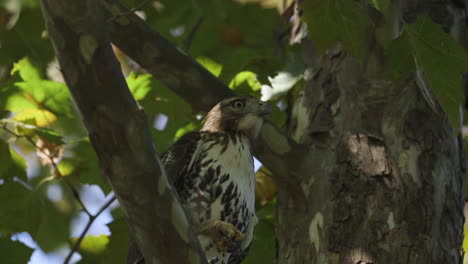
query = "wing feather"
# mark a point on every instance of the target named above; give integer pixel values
(178, 157)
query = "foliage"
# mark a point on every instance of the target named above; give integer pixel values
(241, 44)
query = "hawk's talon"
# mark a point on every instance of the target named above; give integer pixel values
(225, 235)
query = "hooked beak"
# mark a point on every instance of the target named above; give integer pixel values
(265, 108)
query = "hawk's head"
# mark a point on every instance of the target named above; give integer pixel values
(239, 114)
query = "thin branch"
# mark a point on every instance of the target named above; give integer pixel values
(131, 11)
(85, 230)
(72, 188)
(188, 40)
(74, 191)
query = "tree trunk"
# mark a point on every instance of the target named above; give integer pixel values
(383, 175)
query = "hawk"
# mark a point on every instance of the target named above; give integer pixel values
(213, 173)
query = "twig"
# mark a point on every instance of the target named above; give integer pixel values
(54, 165)
(88, 225)
(74, 191)
(188, 40)
(131, 11)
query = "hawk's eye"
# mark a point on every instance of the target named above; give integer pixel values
(238, 104)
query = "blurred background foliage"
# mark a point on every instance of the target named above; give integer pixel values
(50, 184)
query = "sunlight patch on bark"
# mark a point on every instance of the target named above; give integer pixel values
(162, 184)
(408, 163)
(391, 221)
(179, 220)
(358, 255)
(301, 115)
(314, 235)
(88, 46)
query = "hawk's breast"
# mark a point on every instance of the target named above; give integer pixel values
(220, 183)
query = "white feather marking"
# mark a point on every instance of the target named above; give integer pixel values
(237, 161)
(252, 123)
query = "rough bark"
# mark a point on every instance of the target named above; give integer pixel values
(383, 177)
(119, 132)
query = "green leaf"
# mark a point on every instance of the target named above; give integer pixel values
(227, 36)
(118, 241)
(264, 245)
(39, 93)
(36, 117)
(104, 249)
(139, 85)
(26, 70)
(333, 21)
(211, 65)
(186, 129)
(31, 130)
(24, 39)
(93, 244)
(246, 83)
(401, 61)
(54, 226)
(22, 213)
(465, 238)
(14, 251)
(30, 211)
(430, 47)
(12, 165)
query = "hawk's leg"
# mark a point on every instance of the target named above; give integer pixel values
(226, 236)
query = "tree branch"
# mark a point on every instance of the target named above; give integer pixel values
(119, 132)
(192, 82)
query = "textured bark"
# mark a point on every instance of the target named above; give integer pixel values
(119, 132)
(383, 177)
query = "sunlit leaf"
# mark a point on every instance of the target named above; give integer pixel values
(66, 166)
(41, 93)
(36, 117)
(465, 238)
(246, 83)
(212, 66)
(188, 128)
(139, 85)
(26, 70)
(92, 245)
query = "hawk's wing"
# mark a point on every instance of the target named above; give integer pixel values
(177, 158)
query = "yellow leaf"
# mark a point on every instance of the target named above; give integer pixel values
(265, 187)
(37, 117)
